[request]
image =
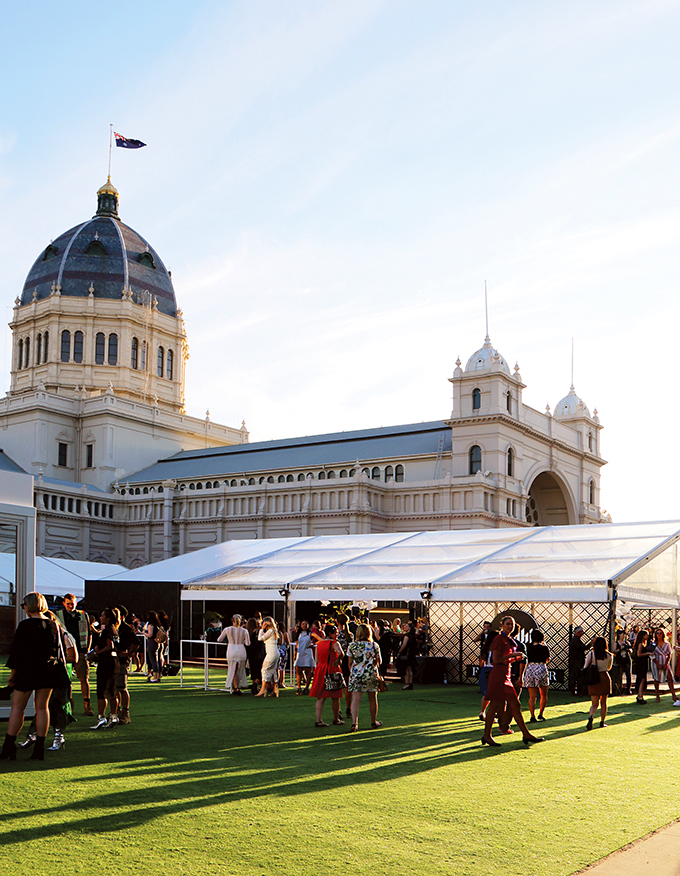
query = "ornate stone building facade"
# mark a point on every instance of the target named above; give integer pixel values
(96, 413)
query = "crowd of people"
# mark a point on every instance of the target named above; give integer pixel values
(507, 667)
(337, 661)
(49, 648)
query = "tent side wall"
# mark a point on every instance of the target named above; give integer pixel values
(455, 626)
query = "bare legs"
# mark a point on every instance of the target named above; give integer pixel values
(594, 702)
(372, 707)
(543, 700)
(20, 699)
(497, 707)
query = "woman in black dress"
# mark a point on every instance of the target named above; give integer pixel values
(108, 666)
(37, 666)
(407, 654)
(642, 651)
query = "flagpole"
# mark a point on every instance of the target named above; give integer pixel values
(110, 145)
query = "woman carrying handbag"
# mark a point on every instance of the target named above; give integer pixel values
(328, 681)
(596, 669)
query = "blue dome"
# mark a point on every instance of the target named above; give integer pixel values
(103, 253)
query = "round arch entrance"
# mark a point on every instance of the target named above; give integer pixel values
(548, 503)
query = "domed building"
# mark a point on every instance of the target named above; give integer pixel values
(121, 474)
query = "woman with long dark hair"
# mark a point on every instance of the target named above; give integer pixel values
(603, 659)
(255, 652)
(153, 631)
(37, 666)
(661, 665)
(536, 674)
(642, 651)
(501, 689)
(108, 666)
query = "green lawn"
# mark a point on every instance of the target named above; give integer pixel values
(204, 783)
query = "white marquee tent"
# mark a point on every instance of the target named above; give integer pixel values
(636, 563)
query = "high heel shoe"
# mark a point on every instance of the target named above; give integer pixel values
(28, 741)
(59, 742)
(589, 725)
(527, 740)
(407, 687)
(354, 728)
(490, 742)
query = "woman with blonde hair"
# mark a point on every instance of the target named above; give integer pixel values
(37, 665)
(269, 634)
(364, 674)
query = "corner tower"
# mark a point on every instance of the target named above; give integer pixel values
(98, 310)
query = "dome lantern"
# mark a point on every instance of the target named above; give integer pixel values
(107, 200)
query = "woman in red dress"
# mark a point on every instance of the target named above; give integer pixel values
(328, 659)
(501, 689)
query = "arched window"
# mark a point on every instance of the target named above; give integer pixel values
(301, 477)
(289, 478)
(168, 365)
(331, 474)
(389, 473)
(343, 473)
(46, 343)
(375, 473)
(508, 402)
(113, 349)
(161, 361)
(27, 352)
(590, 437)
(99, 348)
(352, 472)
(38, 348)
(399, 474)
(366, 471)
(20, 357)
(270, 480)
(78, 347)
(322, 475)
(251, 482)
(143, 355)
(511, 463)
(591, 492)
(475, 459)
(476, 399)
(134, 356)
(66, 345)
(232, 483)
(199, 486)
(281, 479)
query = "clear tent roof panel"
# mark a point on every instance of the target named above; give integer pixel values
(534, 570)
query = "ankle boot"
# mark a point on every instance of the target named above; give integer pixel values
(9, 748)
(39, 749)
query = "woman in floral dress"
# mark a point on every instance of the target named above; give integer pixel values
(364, 674)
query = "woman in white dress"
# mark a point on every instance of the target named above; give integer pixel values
(237, 639)
(269, 634)
(304, 662)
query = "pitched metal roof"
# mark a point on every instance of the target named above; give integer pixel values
(333, 449)
(7, 464)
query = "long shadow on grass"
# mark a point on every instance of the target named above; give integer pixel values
(352, 761)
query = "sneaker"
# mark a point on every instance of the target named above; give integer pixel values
(124, 718)
(112, 721)
(676, 703)
(101, 722)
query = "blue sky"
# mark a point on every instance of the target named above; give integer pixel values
(331, 184)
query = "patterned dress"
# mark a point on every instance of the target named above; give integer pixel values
(363, 675)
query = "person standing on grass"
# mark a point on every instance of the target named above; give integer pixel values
(603, 659)
(37, 667)
(661, 665)
(345, 639)
(501, 691)
(304, 660)
(155, 634)
(269, 635)
(255, 652)
(364, 674)
(329, 655)
(238, 639)
(536, 674)
(642, 651)
(622, 658)
(577, 657)
(127, 649)
(77, 623)
(407, 654)
(106, 654)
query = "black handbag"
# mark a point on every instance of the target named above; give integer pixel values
(333, 680)
(591, 674)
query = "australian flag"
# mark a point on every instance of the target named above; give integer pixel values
(127, 144)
